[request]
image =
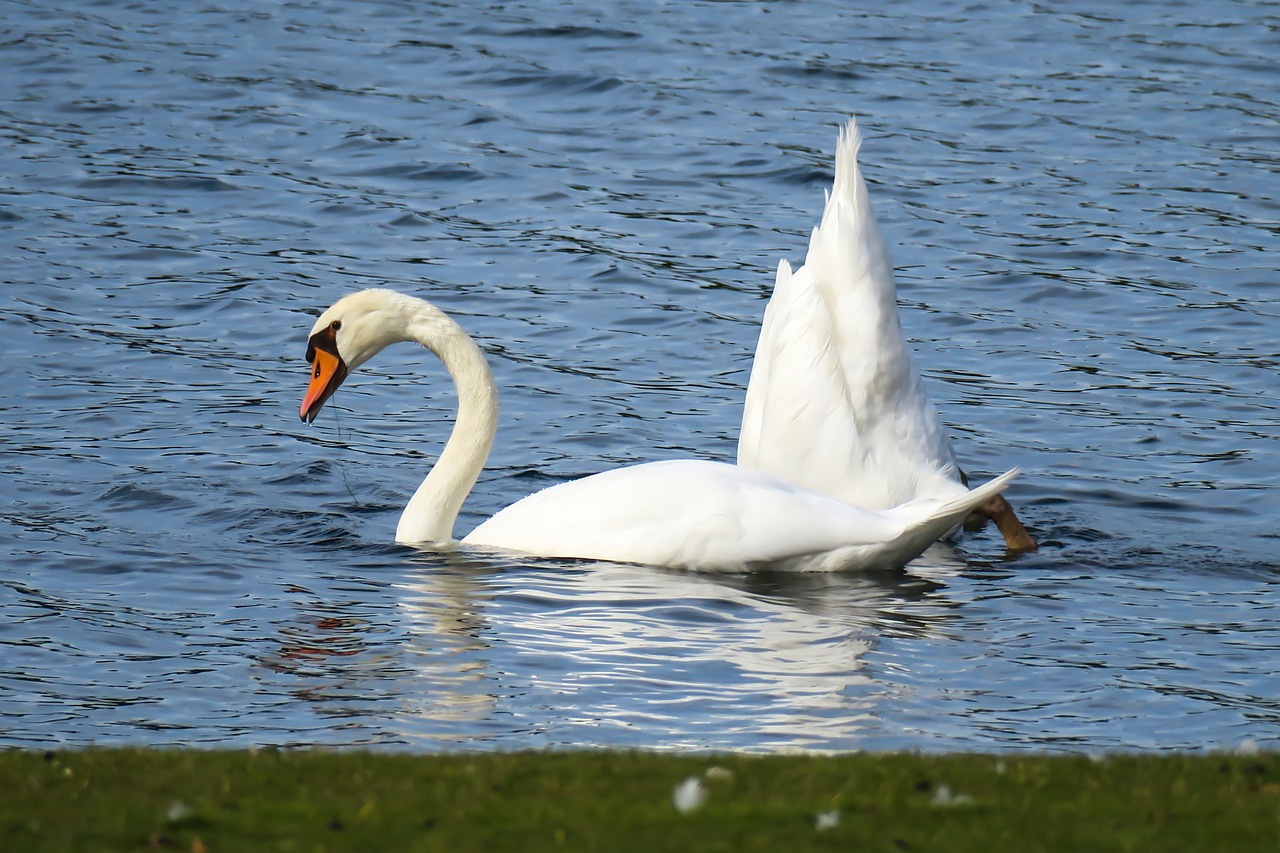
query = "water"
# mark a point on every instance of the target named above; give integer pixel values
(1086, 218)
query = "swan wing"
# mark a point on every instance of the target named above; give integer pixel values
(834, 403)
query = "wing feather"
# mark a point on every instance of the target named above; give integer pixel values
(834, 403)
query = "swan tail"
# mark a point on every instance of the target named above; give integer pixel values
(848, 255)
(926, 520)
(848, 177)
(852, 269)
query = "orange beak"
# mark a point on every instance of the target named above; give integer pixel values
(327, 373)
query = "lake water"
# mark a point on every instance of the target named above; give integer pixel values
(1085, 210)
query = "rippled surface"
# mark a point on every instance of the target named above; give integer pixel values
(1086, 216)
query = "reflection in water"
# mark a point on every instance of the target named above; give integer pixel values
(445, 643)
(632, 648)
(327, 649)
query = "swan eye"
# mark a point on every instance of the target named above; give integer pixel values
(336, 325)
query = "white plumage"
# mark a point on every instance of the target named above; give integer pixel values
(682, 514)
(834, 404)
(718, 517)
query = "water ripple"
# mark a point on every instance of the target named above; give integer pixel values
(1085, 237)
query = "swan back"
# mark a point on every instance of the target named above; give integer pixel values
(682, 513)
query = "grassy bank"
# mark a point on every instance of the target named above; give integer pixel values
(309, 800)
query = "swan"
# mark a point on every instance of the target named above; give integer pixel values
(687, 514)
(833, 403)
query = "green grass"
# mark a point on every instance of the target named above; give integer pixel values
(132, 799)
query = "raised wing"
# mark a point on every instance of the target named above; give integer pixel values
(834, 403)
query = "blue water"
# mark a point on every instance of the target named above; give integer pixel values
(1085, 212)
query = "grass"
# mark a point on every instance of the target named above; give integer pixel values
(137, 799)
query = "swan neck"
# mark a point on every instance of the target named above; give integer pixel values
(431, 512)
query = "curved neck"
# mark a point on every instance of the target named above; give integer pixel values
(431, 512)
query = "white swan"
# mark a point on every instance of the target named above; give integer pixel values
(834, 404)
(681, 514)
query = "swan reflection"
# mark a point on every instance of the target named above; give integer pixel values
(547, 653)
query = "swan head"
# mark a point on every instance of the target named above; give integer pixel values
(347, 335)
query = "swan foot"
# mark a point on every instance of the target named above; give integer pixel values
(1016, 538)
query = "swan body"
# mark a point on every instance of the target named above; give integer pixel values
(714, 516)
(834, 403)
(681, 514)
